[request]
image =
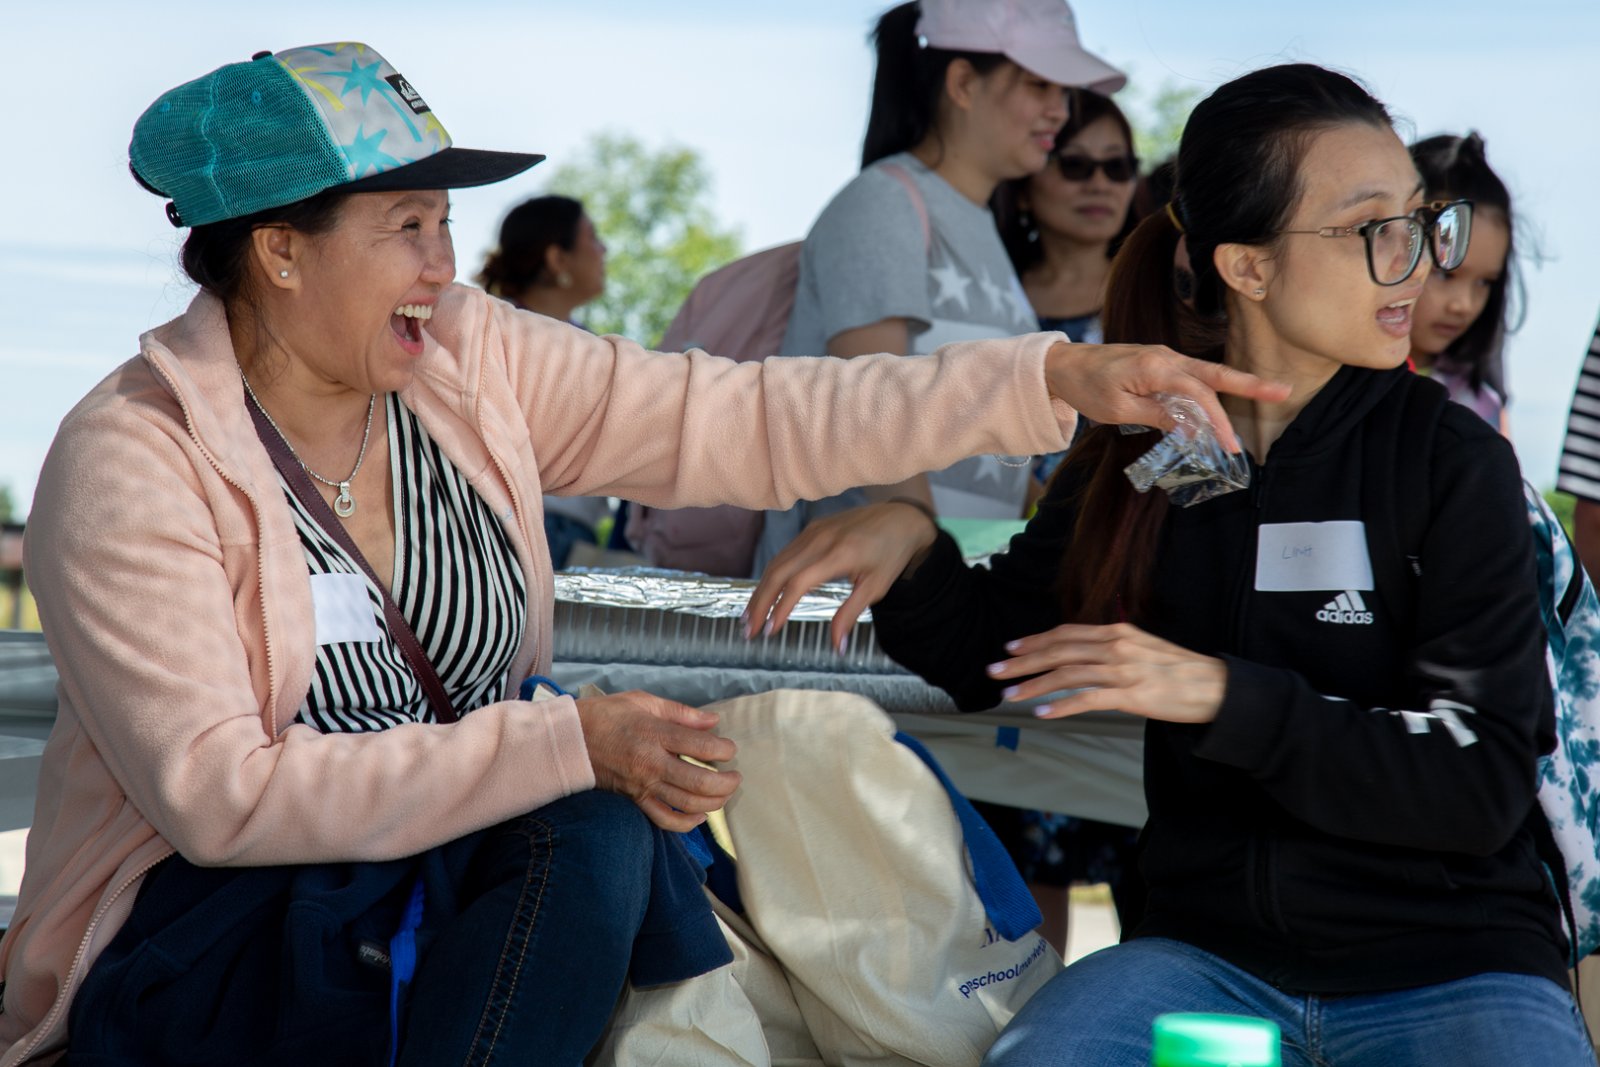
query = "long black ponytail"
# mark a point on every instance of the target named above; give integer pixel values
(908, 84)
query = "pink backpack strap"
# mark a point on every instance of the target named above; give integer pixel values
(898, 173)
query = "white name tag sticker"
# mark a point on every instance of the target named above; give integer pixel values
(344, 612)
(1293, 557)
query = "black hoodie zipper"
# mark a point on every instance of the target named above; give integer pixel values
(1263, 849)
(1260, 476)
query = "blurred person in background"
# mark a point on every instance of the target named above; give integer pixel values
(1463, 316)
(967, 94)
(550, 260)
(1580, 460)
(1062, 226)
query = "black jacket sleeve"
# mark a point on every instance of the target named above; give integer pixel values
(1454, 768)
(948, 621)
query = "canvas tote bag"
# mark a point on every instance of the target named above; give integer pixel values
(741, 1015)
(859, 884)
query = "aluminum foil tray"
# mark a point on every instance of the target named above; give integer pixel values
(670, 618)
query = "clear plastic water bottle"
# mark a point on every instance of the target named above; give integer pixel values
(1193, 1040)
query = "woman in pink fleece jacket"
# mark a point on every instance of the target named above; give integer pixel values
(253, 815)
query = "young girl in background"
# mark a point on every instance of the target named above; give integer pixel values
(1463, 316)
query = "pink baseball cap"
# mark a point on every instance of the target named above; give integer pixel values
(1041, 36)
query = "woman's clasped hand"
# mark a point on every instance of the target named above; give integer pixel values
(635, 741)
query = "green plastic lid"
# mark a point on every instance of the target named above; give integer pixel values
(1193, 1040)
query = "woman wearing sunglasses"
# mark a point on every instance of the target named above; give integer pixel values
(1340, 771)
(1062, 225)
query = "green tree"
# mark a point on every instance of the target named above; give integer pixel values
(8, 504)
(1563, 504)
(652, 209)
(1158, 118)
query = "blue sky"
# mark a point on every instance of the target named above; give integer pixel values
(774, 95)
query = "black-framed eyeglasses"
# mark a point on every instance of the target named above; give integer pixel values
(1394, 245)
(1081, 168)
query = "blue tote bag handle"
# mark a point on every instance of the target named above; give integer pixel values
(1006, 899)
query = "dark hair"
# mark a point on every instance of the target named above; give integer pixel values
(1155, 187)
(1021, 238)
(1238, 181)
(216, 256)
(909, 84)
(1457, 168)
(526, 236)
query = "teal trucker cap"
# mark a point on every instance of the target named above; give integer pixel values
(286, 126)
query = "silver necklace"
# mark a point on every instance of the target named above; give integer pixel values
(344, 505)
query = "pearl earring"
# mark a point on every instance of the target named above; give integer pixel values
(285, 274)
(1261, 292)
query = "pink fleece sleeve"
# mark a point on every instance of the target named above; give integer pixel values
(611, 418)
(153, 620)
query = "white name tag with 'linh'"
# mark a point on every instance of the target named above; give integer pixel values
(1294, 557)
(344, 611)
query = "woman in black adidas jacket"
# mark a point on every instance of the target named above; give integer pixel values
(1343, 675)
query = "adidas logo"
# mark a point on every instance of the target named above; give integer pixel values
(1347, 609)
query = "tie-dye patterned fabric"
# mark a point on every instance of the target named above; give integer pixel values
(373, 114)
(1567, 786)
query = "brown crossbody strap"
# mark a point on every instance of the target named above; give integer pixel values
(306, 490)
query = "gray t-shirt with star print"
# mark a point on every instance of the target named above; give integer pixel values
(868, 258)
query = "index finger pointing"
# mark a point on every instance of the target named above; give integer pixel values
(1218, 378)
(1226, 379)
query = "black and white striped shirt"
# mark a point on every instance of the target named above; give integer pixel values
(456, 580)
(1580, 454)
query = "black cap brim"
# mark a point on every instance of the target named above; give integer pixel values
(453, 168)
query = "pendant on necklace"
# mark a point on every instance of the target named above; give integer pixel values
(344, 505)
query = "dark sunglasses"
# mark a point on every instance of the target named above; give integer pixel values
(1081, 168)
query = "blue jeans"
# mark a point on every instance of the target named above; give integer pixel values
(529, 930)
(567, 902)
(1099, 1011)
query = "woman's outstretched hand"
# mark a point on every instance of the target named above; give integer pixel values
(1115, 383)
(871, 546)
(1115, 668)
(634, 742)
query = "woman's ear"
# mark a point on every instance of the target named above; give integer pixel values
(555, 267)
(960, 83)
(277, 251)
(1246, 269)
